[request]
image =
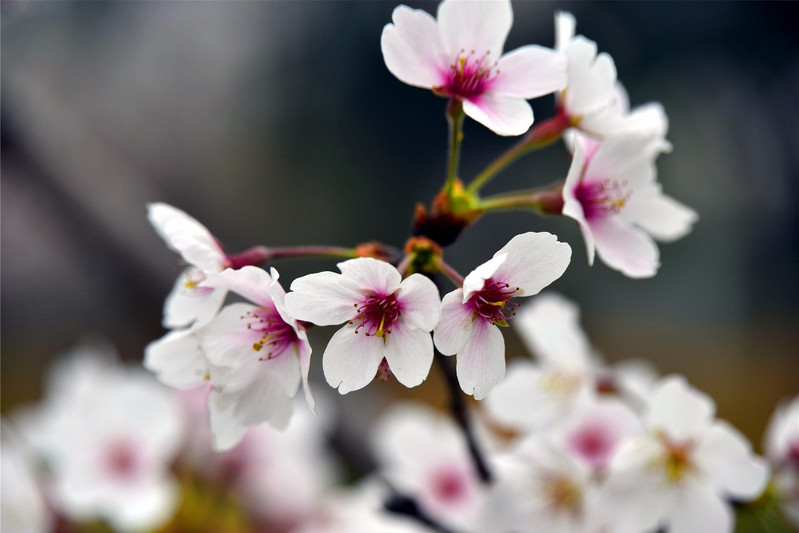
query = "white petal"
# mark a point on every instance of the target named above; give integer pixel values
(351, 359)
(177, 360)
(249, 281)
(700, 510)
(565, 25)
(591, 78)
(456, 326)
(529, 72)
(571, 205)
(476, 279)
(475, 26)
(679, 410)
(550, 327)
(322, 298)
(420, 302)
(409, 353)
(412, 48)
(504, 115)
(191, 301)
(534, 261)
(727, 456)
(481, 363)
(625, 248)
(267, 398)
(187, 236)
(511, 401)
(371, 274)
(661, 216)
(226, 430)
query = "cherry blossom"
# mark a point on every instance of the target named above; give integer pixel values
(470, 315)
(23, 508)
(611, 191)
(190, 301)
(782, 449)
(424, 455)
(679, 473)
(108, 434)
(259, 354)
(459, 55)
(387, 318)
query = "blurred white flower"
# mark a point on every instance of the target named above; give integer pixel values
(23, 508)
(470, 315)
(108, 434)
(387, 318)
(781, 444)
(424, 455)
(460, 56)
(680, 472)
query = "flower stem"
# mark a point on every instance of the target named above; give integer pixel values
(260, 254)
(455, 119)
(541, 135)
(451, 273)
(547, 200)
(458, 408)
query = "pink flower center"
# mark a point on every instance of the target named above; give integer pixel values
(492, 302)
(449, 486)
(602, 199)
(120, 459)
(273, 332)
(793, 453)
(376, 315)
(593, 443)
(677, 458)
(469, 76)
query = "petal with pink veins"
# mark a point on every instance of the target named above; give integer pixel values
(481, 363)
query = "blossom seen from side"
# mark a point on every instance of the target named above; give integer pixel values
(259, 355)
(459, 55)
(190, 301)
(470, 315)
(612, 192)
(387, 318)
(680, 473)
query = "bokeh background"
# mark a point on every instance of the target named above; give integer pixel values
(277, 123)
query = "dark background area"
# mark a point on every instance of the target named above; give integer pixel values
(277, 123)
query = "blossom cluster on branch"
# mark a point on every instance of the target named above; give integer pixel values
(562, 443)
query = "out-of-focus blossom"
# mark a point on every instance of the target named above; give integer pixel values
(542, 488)
(782, 450)
(536, 396)
(387, 319)
(470, 315)
(424, 455)
(108, 434)
(259, 355)
(460, 56)
(612, 192)
(681, 471)
(23, 508)
(191, 301)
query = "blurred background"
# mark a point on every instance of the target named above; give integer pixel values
(277, 123)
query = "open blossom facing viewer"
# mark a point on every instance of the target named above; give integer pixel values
(387, 318)
(460, 56)
(470, 315)
(611, 191)
(259, 354)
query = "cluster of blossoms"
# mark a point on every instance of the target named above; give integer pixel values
(563, 444)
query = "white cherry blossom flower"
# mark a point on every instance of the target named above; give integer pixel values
(190, 301)
(259, 354)
(611, 191)
(387, 318)
(23, 508)
(470, 315)
(178, 360)
(108, 435)
(541, 488)
(680, 472)
(460, 56)
(424, 455)
(782, 449)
